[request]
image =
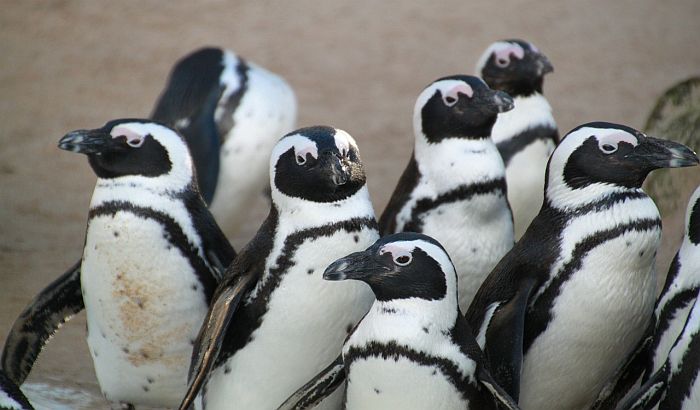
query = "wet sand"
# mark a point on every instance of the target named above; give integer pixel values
(354, 65)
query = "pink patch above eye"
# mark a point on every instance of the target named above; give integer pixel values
(453, 93)
(307, 150)
(132, 138)
(505, 53)
(395, 250)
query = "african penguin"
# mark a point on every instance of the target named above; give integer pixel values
(563, 309)
(152, 258)
(454, 187)
(670, 314)
(274, 322)
(231, 113)
(675, 385)
(11, 397)
(526, 135)
(414, 349)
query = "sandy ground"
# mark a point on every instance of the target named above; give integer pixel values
(355, 65)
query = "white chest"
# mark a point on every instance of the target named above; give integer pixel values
(144, 307)
(306, 322)
(375, 383)
(599, 315)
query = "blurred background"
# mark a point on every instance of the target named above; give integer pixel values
(355, 65)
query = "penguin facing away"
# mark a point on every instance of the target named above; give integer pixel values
(454, 186)
(563, 309)
(231, 112)
(527, 134)
(675, 385)
(274, 322)
(413, 349)
(152, 258)
(670, 313)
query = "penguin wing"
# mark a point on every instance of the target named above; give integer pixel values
(52, 307)
(628, 375)
(402, 193)
(11, 397)
(211, 335)
(649, 395)
(318, 388)
(501, 396)
(217, 249)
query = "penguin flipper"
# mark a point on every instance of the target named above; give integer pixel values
(211, 335)
(501, 396)
(504, 339)
(650, 393)
(318, 388)
(52, 307)
(628, 375)
(11, 397)
(402, 193)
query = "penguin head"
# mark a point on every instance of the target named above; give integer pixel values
(459, 106)
(514, 66)
(692, 218)
(134, 148)
(599, 156)
(405, 265)
(318, 164)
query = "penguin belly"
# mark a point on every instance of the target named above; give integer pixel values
(378, 383)
(303, 330)
(144, 308)
(525, 179)
(476, 234)
(599, 315)
(267, 112)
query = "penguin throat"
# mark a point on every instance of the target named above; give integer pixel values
(519, 87)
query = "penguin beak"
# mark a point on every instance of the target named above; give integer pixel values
(655, 153)
(339, 171)
(89, 142)
(358, 265)
(543, 65)
(502, 101)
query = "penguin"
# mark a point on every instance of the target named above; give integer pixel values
(676, 383)
(231, 112)
(454, 187)
(562, 310)
(413, 349)
(670, 313)
(526, 135)
(274, 322)
(152, 258)
(11, 397)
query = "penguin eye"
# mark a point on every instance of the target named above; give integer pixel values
(608, 148)
(502, 62)
(135, 142)
(450, 101)
(403, 260)
(301, 160)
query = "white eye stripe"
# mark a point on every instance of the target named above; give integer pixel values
(400, 255)
(609, 143)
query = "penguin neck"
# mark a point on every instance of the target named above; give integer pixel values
(521, 87)
(413, 314)
(528, 112)
(456, 162)
(299, 213)
(141, 190)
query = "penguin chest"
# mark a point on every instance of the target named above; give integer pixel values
(525, 177)
(668, 337)
(375, 382)
(144, 308)
(302, 330)
(605, 299)
(476, 234)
